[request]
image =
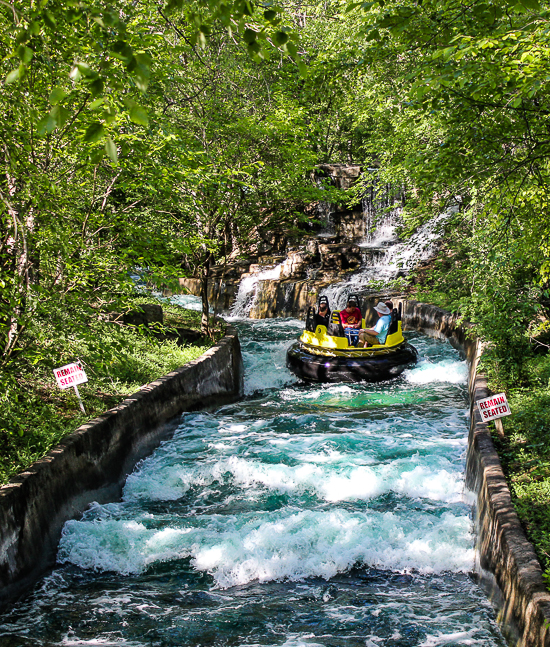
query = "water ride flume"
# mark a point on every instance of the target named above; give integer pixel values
(323, 353)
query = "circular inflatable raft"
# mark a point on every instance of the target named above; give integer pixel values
(320, 356)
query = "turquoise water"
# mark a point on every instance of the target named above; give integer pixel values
(299, 516)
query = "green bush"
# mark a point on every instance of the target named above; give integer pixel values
(35, 415)
(525, 455)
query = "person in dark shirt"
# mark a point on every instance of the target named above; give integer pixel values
(351, 322)
(322, 316)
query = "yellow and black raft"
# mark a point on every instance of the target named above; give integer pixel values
(323, 354)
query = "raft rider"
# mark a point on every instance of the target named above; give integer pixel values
(378, 333)
(351, 321)
(322, 316)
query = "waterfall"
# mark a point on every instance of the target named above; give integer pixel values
(372, 227)
(420, 247)
(248, 289)
(382, 206)
(325, 211)
(383, 264)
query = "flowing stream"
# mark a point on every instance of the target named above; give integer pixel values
(298, 516)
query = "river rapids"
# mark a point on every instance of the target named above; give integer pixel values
(331, 515)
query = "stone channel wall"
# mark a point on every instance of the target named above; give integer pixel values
(92, 463)
(522, 597)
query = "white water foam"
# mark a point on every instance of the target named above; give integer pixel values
(106, 641)
(457, 638)
(332, 478)
(266, 368)
(420, 246)
(397, 258)
(384, 235)
(99, 642)
(449, 371)
(187, 301)
(288, 544)
(283, 486)
(301, 641)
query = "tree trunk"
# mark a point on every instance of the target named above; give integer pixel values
(205, 272)
(21, 225)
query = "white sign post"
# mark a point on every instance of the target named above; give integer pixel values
(494, 407)
(71, 375)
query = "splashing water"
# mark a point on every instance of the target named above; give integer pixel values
(188, 301)
(391, 261)
(419, 247)
(248, 290)
(382, 208)
(300, 516)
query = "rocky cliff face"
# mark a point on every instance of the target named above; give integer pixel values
(290, 273)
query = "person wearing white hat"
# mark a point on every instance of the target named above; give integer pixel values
(378, 333)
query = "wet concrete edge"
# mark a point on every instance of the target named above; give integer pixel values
(504, 551)
(92, 463)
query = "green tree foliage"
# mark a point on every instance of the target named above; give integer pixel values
(237, 157)
(68, 88)
(456, 97)
(130, 140)
(169, 138)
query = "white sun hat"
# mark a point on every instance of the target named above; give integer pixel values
(382, 308)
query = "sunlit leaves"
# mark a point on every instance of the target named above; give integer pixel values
(111, 150)
(57, 95)
(75, 74)
(137, 113)
(141, 70)
(94, 132)
(94, 105)
(259, 26)
(46, 125)
(109, 113)
(25, 54)
(15, 74)
(60, 115)
(56, 118)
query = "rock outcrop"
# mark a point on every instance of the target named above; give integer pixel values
(288, 271)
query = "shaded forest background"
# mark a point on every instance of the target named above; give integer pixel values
(141, 135)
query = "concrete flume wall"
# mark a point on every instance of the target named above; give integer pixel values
(92, 463)
(524, 601)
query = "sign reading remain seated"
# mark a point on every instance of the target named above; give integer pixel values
(70, 375)
(494, 407)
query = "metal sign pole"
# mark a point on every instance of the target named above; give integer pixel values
(75, 387)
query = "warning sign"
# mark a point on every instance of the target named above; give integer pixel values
(69, 375)
(494, 407)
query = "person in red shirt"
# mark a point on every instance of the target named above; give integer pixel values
(351, 322)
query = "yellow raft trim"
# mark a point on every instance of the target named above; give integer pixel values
(321, 340)
(351, 352)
